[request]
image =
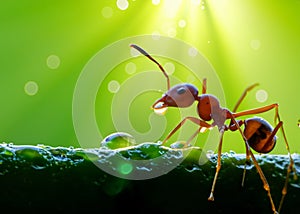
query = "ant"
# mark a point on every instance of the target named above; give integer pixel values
(258, 134)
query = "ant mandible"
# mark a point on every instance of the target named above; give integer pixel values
(258, 134)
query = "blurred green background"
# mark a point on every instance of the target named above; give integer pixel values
(44, 45)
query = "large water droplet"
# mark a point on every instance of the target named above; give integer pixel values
(118, 140)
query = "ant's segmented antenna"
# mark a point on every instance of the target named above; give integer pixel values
(152, 59)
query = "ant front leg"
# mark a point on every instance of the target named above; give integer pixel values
(203, 126)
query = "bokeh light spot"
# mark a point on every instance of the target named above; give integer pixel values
(53, 61)
(170, 68)
(196, 2)
(155, 2)
(122, 4)
(113, 86)
(31, 88)
(130, 68)
(261, 96)
(182, 23)
(125, 168)
(107, 12)
(155, 35)
(193, 52)
(255, 44)
(190, 78)
(171, 8)
(172, 32)
(134, 52)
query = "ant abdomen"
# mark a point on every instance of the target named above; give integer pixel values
(258, 132)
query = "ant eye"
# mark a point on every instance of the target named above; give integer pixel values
(181, 90)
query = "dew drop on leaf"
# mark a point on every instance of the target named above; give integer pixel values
(118, 140)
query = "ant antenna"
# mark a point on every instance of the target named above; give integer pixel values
(151, 58)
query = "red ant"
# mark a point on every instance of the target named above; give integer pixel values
(258, 134)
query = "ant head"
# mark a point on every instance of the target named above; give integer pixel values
(207, 105)
(181, 95)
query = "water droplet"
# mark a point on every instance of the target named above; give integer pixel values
(261, 96)
(178, 145)
(299, 123)
(122, 4)
(53, 61)
(159, 109)
(118, 140)
(31, 88)
(113, 86)
(209, 154)
(107, 12)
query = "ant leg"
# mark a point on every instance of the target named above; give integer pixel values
(233, 127)
(194, 135)
(243, 96)
(291, 166)
(279, 125)
(259, 170)
(204, 86)
(201, 123)
(247, 162)
(255, 111)
(211, 196)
